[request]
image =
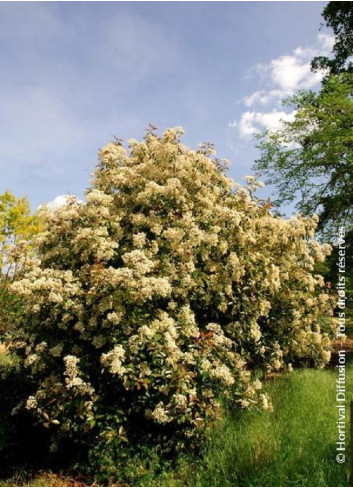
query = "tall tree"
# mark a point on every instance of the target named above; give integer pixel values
(310, 160)
(339, 17)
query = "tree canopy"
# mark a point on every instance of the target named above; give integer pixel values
(309, 160)
(339, 17)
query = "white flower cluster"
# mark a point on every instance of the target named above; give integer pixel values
(72, 376)
(114, 360)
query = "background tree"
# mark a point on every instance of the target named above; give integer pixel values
(17, 228)
(339, 17)
(309, 160)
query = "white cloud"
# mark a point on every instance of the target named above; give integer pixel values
(255, 122)
(263, 97)
(292, 72)
(280, 78)
(59, 201)
(289, 72)
(232, 124)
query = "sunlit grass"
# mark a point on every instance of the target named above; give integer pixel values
(295, 445)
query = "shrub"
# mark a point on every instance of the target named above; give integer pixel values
(168, 288)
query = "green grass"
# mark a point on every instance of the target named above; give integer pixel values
(295, 445)
(292, 446)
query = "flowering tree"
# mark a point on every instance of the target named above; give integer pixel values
(161, 293)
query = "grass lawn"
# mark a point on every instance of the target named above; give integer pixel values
(292, 446)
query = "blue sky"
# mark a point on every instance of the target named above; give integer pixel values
(75, 74)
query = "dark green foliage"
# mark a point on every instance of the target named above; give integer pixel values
(21, 442)
(339, 17)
